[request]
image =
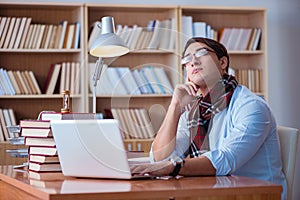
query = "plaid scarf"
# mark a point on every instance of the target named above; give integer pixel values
(202, 111)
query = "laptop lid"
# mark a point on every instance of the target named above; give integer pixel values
(91, 148)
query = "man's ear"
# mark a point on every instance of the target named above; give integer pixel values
(223, 62)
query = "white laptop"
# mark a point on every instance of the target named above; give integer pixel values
(91, 148)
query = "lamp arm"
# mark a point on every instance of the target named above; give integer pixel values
(98, 71)
(96, 77)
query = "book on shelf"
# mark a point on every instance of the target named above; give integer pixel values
(4, 32)
(70, 32)
(33, 36)
(9, 120)
(14, 81)
(39, 37)
(151, 82)
(19, 83)
(135, 34)
(140, 39)
(58, 33)
(118, 84)
(6, 83)
(48, 33)
(146, 121)
(22, 82)
(256, 39)
(39, 141)
(134, 122)
(42, 150)
(2, 136)
(163, 80)
(46, 175)
(34, 82)
(141, 83)
(3, 125)
(2, 25)
(42, 44)
(62, 35)
(44, 167)
(199, 29)
(25, 33)
(28, 37)
(157, 32)
(186, 28)
(173, 34)
(53, 36)
(126, 77)
(43, 158)
(64, 76)
(9, 32)
(52, 77)
(14, 33)
(76, 40)
(165, 35)
(28, 81)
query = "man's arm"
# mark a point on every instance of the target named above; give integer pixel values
(165, 140)
(199, 166)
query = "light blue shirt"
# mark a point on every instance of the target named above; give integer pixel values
(243, 140)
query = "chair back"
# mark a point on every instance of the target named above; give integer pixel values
(288, 138)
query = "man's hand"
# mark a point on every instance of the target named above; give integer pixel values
(162, 168)
(184, 94)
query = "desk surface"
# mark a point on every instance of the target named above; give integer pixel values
(15, 184)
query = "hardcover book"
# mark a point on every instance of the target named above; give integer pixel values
(43, 159)
(42, 150)
(36, 132)
(38, 141)
(35, 123)
(45, 167)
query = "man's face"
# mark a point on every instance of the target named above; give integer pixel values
(202, 65)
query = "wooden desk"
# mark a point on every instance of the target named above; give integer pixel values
(16, 185)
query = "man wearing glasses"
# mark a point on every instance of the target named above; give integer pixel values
(213, 125)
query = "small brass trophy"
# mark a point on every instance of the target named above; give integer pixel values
(66, 102)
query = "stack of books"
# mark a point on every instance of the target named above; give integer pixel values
(43, 161)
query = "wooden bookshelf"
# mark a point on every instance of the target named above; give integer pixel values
(156, 104)
(39, 60)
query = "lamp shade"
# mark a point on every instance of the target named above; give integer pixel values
(108, 44)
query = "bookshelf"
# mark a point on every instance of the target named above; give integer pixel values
(39, 60)
(156, 104)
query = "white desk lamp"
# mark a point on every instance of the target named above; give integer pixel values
(108, 44)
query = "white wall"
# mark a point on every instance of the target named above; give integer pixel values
(283, 18)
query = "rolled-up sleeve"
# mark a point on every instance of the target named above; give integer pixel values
(244, 134)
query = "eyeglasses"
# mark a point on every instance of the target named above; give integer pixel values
(200, 52)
